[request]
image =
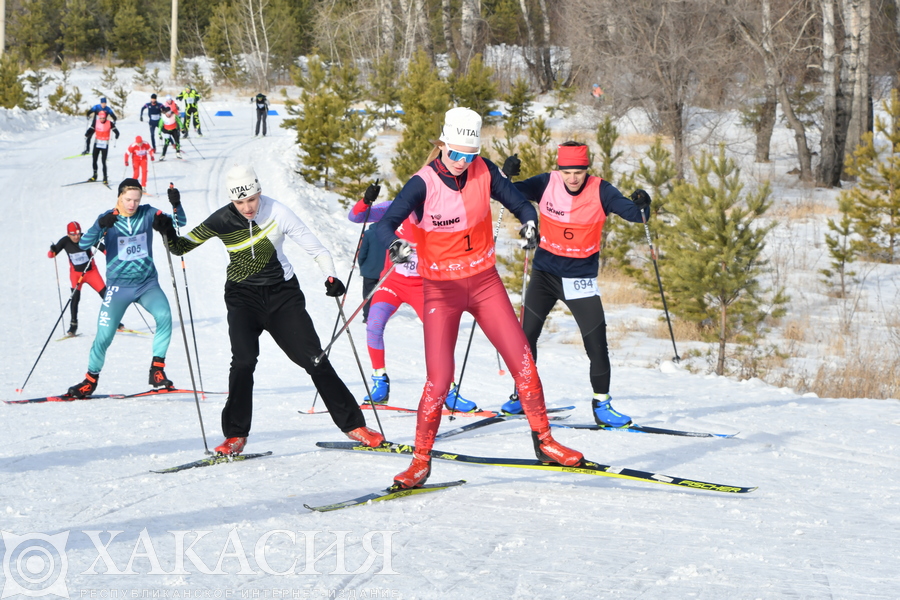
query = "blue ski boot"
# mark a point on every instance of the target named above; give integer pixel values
(605, 415)
(456, 402)
(513, 406)
(381, 389)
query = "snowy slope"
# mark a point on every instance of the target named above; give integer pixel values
(823, 524)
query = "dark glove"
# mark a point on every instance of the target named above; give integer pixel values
(371, 194)
(51, 254)
(116, 131)
(108, 220)
(529, 235)
(399, 251)
(163, 224)
(641, 199)
(334, 287)
(512, 166)
(174, 197)
(142, 118)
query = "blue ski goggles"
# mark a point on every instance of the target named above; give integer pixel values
(456, 155)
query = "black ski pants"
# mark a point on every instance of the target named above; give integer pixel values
(261, 115)
(544, 289)
(101, 152)
(279, 309)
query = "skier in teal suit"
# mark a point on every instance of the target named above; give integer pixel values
(131, 277)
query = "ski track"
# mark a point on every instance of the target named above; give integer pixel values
(823, 524)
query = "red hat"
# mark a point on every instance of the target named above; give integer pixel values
(101, 113)
(138, 140)
(73, 228)
(573, 157)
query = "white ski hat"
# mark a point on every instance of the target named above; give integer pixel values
(462, 127)
(241, 182)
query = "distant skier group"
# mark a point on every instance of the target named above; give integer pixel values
(440, 259)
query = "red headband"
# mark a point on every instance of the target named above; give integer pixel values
(573, 157)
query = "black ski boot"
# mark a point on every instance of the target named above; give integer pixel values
(158, 375)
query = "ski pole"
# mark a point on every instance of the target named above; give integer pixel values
(677, 358)
(207, 115)
(155, 182)
(195, 149)
(344, 299)
(62, 312)
(187, 350)
(359, 364)
(334, 338)
(58, 288)
(143, 318)
(500, 370)
(187, 295)
(515, 393)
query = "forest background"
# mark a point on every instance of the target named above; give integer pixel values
(824, 69)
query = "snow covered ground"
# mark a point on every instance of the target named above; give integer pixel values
(824, 522)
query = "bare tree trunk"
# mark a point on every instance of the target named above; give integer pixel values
(766, 125)
(422, 28)
(468, 30)
(830, 90)
(859, 115)
(766, 49)
(546, 65)
(447, 28)
(409, 28)
(386, 16)
(803, 154)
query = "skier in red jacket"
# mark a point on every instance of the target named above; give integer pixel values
(139, 151)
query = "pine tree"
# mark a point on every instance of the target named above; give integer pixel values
(424, 98)
(518, 114)
(536, 155)
(130, 35)
(223, 46)
(875, 199)
(62, 100)
(715, 262)
(842, 249)
(318, 122)
(12, 92)
(358, 163)
(383, 91)
(475, 89)
(29, 32)
(657, 177)
(80, 32)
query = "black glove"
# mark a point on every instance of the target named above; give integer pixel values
(108, 220)
(174, 197)
(334, 287)
(529, 235)
(399, 251)
(116, 131)
(641, 199)
(512, 166)
(371, 194)
(163, 224)
(142, 118)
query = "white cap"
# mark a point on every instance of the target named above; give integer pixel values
(462, 127)
(168, 98)
(241, 182)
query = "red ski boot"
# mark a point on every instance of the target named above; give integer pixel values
(231, 446)
(417, 473)
(366, 437)
(549, 450)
